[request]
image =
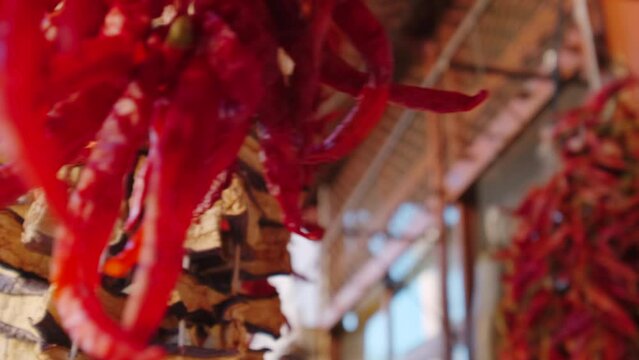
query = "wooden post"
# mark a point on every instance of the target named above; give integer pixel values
(591, 65)
(436, 140)
(468, 228)
(388, 298)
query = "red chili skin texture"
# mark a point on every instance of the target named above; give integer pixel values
(249, 20)
(289, 106)
(23, 73)
(108, 57)
(78, 20)
(97, 62)
(29, 63)
(73, 123)
(570, 289)
(70, 127)
(369, 37)
(199, 138)
(195, 86)
(338, 74)
(94, 207)
(285, 107)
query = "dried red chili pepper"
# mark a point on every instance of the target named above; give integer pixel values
(210, 72)
(203, 130)
(94, 207)
(23, 73)
(369, 37)
(338, 74)
(289, 106)
(76, 21)
(572, 286)
(70, 126)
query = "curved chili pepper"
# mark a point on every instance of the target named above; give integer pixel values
(284, 179)
(597, 103)
(199, 138)
(250, 21)
(98, 61)
(289, 105)
(30, 68)
(94, 206)
(70, 126)
(112, 157)
(107, 57)
(338, 74)
(281, 158)
(78, 20)
(301, 30)
(369, 37)
(74, 122)
(23, 75)
(166, 60)
(211, 67)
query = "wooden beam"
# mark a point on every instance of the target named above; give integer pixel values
(436, 140)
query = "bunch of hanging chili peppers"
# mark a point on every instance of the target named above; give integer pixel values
(93, 82)
(572, 279)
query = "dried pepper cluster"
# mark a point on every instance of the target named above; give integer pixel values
(221, 300)
(572, 280)
(96, 81)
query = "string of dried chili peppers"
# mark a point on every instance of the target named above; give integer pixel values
(93, 82)
(572, 279)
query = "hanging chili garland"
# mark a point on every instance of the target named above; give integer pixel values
(572, 270)
(189, 80)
